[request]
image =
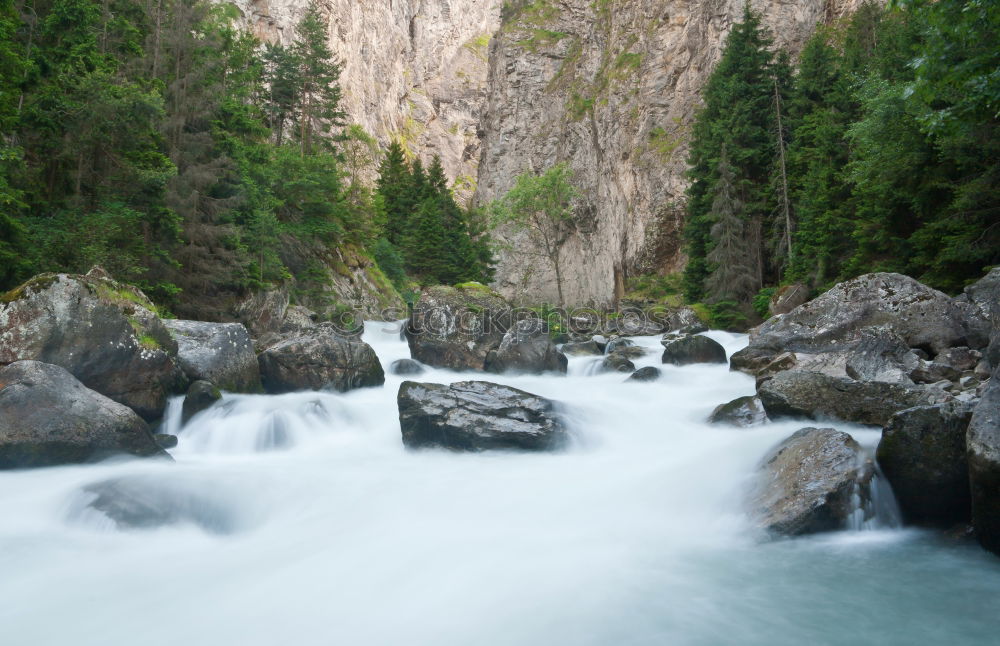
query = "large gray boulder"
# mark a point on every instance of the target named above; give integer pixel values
(881, 355)
(581, 348)
(477, 416)
(319, 360)
(104, 333)
(811, 482)
(457, 327)
(526, 348)
(981, 302)
(922, 454)
(983, 444)
(835, 321)
(787, 298)
(47, 417)
(814, 395)
(218, 352)
(685, 321)
(687, 349)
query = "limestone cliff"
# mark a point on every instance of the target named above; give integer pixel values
(610, 86)
(414, 70)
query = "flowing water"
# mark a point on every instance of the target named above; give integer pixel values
(313, 525)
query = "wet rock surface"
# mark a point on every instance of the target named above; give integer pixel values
(318, 360)
(742, 412)
(48, 417)
(526, 348)
(922, 453)
(457, 327)
(686, 349)
(104, 333)
(221, 353)
(477, 416)
(808, 483)
(815, 395)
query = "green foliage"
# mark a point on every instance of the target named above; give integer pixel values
(437, 241)
(541, 207)
(164, 144)
(762, 301)
(891, 133)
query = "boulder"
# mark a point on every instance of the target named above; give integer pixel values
(47, 417)
(983, 444)
(636, 322)
(932, 372)
(201, 395)
(815, 395)
(218, 352)
(406, 367)
(960, 358)
(922, 454)
(581, 348)
(981, 302)
(616, 363)
(477, 416)
(787, 298)
(881, 355)
(686, 349)
(836, 320)
(526, 348)
(809, 483)
(457, 327)
(318, 360)
(649, 373)
(685, 321)
(104, 333)
(742, 411)
(263, 312)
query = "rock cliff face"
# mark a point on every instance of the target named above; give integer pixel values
(414, 70)
(611, 87)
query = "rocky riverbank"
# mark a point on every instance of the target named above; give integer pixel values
(88, 366)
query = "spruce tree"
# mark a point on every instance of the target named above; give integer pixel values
(738, 113)
(393, 185)
(731, 257)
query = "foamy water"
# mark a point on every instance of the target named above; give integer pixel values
(330, 532)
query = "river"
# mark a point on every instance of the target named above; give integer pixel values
(322, 529)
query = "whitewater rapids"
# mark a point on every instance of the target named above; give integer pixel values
(330, 532)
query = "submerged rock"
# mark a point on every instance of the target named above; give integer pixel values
(406, 367)
(808, 483)
(983, 443)
(477, 416)
(526, 348)
(683, 350)
(47, 417)
(922, 454)
(818, 396)
(616, 363)
(742, 411)
(649, 373)
(104, 333)
(457, 327)
(201, 395)
(318, 360)
(150, 502)
(221, 353)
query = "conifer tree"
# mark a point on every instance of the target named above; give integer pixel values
(731, 257)
(393, 185)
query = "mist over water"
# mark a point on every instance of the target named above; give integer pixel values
(313, 525)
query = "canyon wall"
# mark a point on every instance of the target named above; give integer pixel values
(412, 70)
(611, 88)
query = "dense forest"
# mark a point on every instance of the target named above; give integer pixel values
(877, 151)
(186, 157)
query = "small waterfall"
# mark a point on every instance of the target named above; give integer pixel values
(873, 503)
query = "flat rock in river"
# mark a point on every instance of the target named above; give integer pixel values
(477, 416)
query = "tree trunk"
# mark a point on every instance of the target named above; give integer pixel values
(784, 176)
